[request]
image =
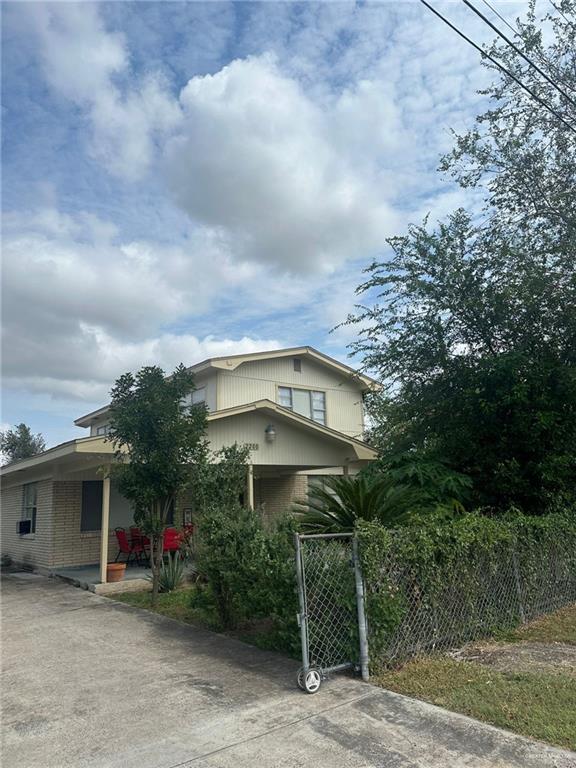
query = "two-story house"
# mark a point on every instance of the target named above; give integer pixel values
(299, 411)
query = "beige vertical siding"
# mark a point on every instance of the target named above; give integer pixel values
(35, 549)
(260, 379)
(293, 446)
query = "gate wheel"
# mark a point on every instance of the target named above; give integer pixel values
(311, 680)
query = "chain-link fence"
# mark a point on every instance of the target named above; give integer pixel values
(332, 623)
(487, 590)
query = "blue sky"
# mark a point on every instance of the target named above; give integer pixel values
(183, 180)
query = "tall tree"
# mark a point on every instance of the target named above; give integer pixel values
(20, 443)
(474, 329)
(157, 435)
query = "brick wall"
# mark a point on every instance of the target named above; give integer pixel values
(71, 545)
(275, 495)
(34, 549)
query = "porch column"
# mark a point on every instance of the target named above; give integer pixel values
(250, 486)
(104, 529)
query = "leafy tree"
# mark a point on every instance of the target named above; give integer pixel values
(471, 325)
(220, 479)
(20, 443)
(156, 438)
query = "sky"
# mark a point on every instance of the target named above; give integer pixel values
(184, 180)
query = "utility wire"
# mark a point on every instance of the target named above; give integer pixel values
(500, 16)
(518, 51)
(541, 56)
(558, 10)
(500, 66)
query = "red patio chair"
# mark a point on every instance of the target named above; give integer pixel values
(171, 540)
(125, 546)
(139, 541)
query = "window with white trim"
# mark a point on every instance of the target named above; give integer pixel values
(29, 504)
(103, 430)
(306, 402)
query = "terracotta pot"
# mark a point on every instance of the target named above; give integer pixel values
(115, 572)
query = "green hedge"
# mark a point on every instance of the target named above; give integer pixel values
(441, 584)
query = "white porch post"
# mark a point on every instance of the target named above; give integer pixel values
(250, 486)
(105, 527)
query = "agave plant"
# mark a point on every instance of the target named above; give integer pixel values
(335, 506)
(171, 572)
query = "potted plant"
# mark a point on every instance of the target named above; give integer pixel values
(115, 571)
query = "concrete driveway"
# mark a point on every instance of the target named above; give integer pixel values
(90, 682)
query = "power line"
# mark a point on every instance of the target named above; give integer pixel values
(558, 10)
(500, 16)
(541, 56)
(518, 51)
(500, 66)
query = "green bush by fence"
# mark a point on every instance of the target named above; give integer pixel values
(248, 573)
(439, 585)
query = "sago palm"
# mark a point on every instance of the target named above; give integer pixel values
(335, 506)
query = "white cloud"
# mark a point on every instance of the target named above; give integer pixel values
(80, 305)
(258, 158)
(86, 63)
(105, 358)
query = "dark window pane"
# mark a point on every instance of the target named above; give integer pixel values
(91, 519)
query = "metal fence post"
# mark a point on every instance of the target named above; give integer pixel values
(518, 586)
(362, 629)
(302, 618)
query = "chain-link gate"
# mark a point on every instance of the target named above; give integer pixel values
(332, 618)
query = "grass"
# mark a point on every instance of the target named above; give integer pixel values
(558, 627)
(536, 704)
(176, 605)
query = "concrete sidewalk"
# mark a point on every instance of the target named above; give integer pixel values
(90, 682)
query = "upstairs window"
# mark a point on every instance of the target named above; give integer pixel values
(285, 397)
(298, 365)
(103, 430)
(29, 504)
(306, 402)
(198, 396)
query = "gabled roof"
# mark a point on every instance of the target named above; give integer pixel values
(360, 448)
(231, 362)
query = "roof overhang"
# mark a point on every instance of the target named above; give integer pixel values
(362, 450)
(82, 447)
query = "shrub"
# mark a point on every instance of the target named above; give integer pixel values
(249, 571)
